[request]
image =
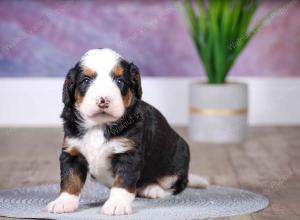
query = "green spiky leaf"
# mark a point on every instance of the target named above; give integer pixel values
(220, 31)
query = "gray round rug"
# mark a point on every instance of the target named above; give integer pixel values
(213, 202)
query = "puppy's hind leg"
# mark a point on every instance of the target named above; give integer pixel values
(153, 191)
(161, 189)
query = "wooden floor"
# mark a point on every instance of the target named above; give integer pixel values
(268, 163)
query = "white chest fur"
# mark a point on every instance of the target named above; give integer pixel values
(97, 151)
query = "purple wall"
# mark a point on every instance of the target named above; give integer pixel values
(45, 38)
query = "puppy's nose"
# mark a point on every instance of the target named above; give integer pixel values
(103, 102)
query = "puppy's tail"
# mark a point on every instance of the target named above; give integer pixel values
(196, 181)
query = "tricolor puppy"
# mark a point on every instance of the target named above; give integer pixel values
(116, 137)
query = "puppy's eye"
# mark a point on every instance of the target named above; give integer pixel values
(86, 81)
(120, 81)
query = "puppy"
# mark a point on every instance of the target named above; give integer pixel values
(119, 139)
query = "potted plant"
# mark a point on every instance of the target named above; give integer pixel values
(220, 31)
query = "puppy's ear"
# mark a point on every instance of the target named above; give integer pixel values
(136, 77)
(68, 88)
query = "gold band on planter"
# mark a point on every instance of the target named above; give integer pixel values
(218, 112)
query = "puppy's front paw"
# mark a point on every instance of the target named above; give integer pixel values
(113, 207)
(64, 203)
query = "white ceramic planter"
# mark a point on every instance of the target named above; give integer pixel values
(218, 113)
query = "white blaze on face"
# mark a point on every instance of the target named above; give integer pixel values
(102, 61)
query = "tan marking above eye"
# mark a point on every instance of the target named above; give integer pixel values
(90, 73)
(117, 70)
